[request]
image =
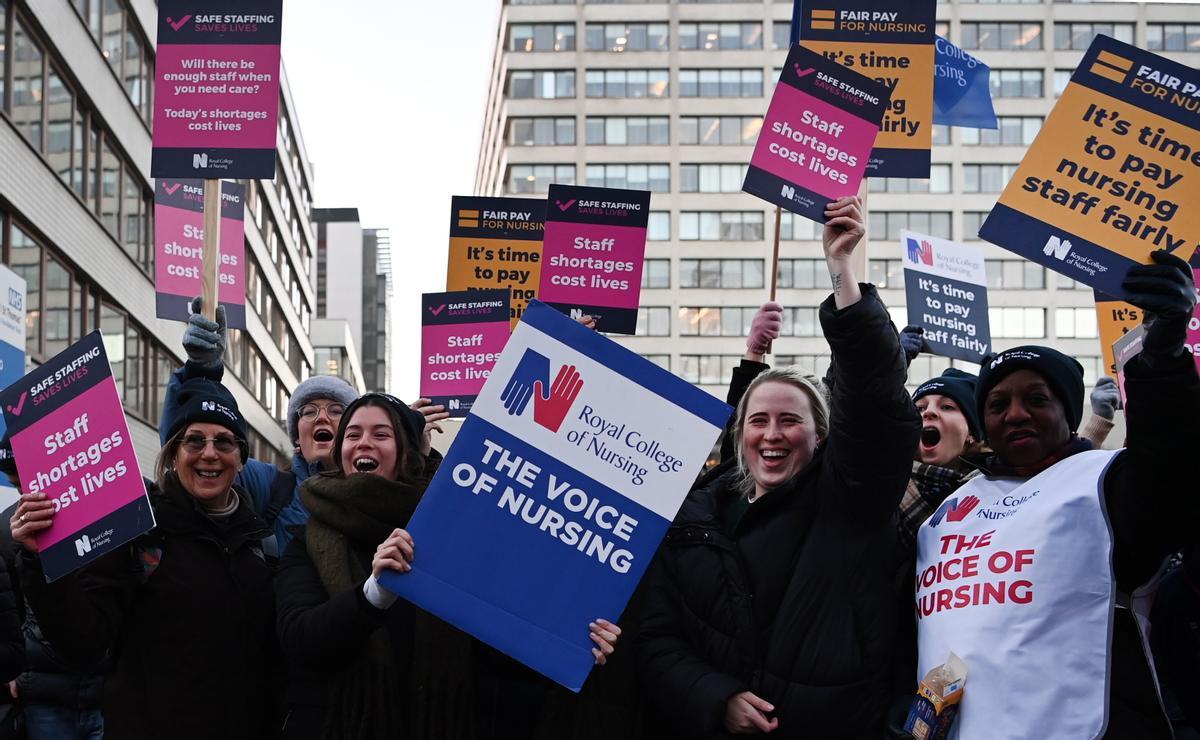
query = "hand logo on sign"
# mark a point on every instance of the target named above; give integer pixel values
(532, 368)
(549, 411)
(954, 510)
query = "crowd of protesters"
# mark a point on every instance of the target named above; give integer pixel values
(798, 593)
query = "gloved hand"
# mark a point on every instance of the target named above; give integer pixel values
(1105, 398)
(765, 327)
(1166, 292)
(912, 341)
(204, 339)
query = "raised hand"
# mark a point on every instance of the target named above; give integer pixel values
(765, 328)
(433, 414)
(604, 633)
(395, 553)
(33, 514)
(533, 367)
(550, 410)
(1167, 293)
(843, 228)
(912, 341)
(1105, 398)
(204, 339)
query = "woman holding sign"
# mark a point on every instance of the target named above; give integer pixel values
(1039, 572)
(770, 606)
(185, 611)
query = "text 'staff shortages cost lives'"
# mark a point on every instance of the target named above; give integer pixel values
(71, 442)
(594, 250)
(817, 135)
(216, 89)
(462, 334)
(554, 497)
(891, 43)
(1114, 173)
(179, 249)
(945, 285)
(496, 243)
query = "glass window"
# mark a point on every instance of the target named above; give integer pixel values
(541, 131)
(620, 37)
(656, 273)
(26, 259)
(1016, 83)
(720, 36)
(781, 32)
(653, 177)
(1013, 130)
(986, 178)
(937, 182)
(57, 307)
(59, 126)
(653, 321)
(27, 86)
(888, 224)
(1173, 36)
(542, 84)
(1061, 78)
(794, 228)
(635, 131)
(3, 55)
(722, 83)
(886, 273)
(536, 178)
(112, 323)
(1079, 36)
(711, 178)
(1018, 323)
(721, 225)
(658, 227)
(991, 35)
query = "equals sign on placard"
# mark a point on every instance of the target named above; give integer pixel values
(468, 219)
(1111, 67)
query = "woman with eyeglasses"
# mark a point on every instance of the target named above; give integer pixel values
(186, 611)
(363, 664)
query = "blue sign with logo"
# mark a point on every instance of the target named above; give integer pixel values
(961, 93)
(549, 505)
(12, 353)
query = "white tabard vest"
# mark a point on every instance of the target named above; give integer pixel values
(1015, 576)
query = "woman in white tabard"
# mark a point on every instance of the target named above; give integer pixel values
(1040, 573)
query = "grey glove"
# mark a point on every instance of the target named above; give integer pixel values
(1105, 398)
(204, 340)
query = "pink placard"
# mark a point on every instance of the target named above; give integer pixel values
(458, 358)
(592, 264)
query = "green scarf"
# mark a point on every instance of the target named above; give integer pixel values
(350, 517)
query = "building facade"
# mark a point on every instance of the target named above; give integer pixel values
(77, 216)
(669, 97)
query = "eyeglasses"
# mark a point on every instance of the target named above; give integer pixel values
(224, 444)
(310, 411)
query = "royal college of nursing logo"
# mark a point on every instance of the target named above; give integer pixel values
(953, 510)
(920, 254)
(551, 401)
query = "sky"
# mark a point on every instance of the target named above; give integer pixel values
(390, 97)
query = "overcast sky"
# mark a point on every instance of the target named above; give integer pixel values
(390, 97)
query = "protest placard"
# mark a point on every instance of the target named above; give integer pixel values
(71, 442)
(891, 43)
(496, 243)
(1109, 177)
(962, 95)
(1114, 318)
(592, 256)
(945, 285)
(462, 334)
(216, 89)
(817, 135)
(12, 353)
(1193, 335)
(553, 499)
(179, 249)
(1124, 350)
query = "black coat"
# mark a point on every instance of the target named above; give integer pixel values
(797, 605)
(193, 653)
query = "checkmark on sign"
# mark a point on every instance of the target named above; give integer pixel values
(176, 25)
(436, 311)
(170, 189)
(16, 410)
(803, 72)
(564, 206)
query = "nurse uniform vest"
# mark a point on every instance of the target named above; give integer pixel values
(1015, 576)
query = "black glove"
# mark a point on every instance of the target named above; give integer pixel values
(1166, 292)
(912, 341)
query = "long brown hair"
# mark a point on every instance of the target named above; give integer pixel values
(410, 463)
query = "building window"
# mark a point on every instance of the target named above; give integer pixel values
(1061, 78)
(27, 73)
(887, 273)
(1015, 83)
(653, 177)
(781, 34)
(1173, 36)
(663, 361)
(972, 220)
(887, 224)
(653, 321)
(25, 258)
(1079, 323)
(628, 130)
(795, 228)
(986, 178)
(547, 84)
(541, 37)
(799, 321)
(719, 130)
(115, 30)
(1015, 274)
(537, 178)
(800, 273)
(711, 178)
(618, 37)
(1079, 36)
(941, 134)
(1013, 131)
(720, 273)
(541, 131)
(539, 2)
(656, 273)
(720, 36)
(991, 35)
(744, 226)
(716, 321)
(720, 83)
(708, 369)
(658, 227)
(627, 83)
(1017, 323)
(937, 182)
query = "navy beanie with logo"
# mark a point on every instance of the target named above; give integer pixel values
(959, 386)
(201, 401)
(1063, 374)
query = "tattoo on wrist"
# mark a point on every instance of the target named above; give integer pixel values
(837, 281)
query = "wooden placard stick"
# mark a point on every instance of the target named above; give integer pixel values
(209, 278)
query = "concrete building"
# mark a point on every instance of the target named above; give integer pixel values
(669, 97)
(76, 215)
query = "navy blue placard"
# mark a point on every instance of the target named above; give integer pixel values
(953, 313)
(55, 383)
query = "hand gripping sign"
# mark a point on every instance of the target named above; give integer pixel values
(71, 442)
(554, 496)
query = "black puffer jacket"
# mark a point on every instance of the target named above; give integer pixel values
(798, 603)
(193, 650)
